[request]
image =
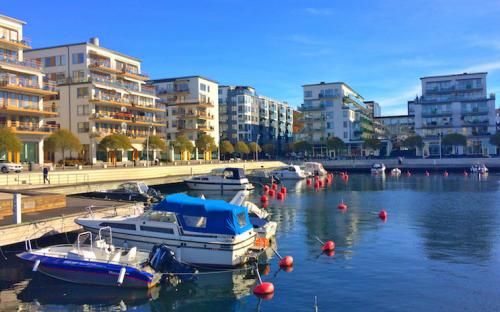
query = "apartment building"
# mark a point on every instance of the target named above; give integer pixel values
(456, 103)
(192, 108)
(250, 117)
(22, 92)
(397, 127)
(101, 92)
(336, 109)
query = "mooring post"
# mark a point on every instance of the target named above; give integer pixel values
(16, 208)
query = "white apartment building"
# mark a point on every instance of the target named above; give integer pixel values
(250, 117)
(22, 89)
(101, 92)
(192, 108)
(455, 104)
(335, 109)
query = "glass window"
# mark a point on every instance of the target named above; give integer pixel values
(77, 58)
(82, 110)
(307, 94)
(203, 87)
(82, 92)
(83, 127)
(242, 219)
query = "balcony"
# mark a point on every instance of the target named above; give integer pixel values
(29, 128)
(195, 115)
(27, 64)
(199, 103)
(312, 108)
(354, 100)
(16, 44)
(436, 113)
(476, 111)
(174, 91)
(129, 73)
(48, 110)
(128, 118)
(102, 67)
(25, 86)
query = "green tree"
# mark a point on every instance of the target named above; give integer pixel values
(9, 141)
(241, 148)
(205, 143)
(115, 142)
(336, 144)
(303, 146)
(254, 148)
(63, 140)
(454, 139)
(226, 148)
(495, 140)
(414, 141)
(372, 143)
(156, 143)
(183, 144)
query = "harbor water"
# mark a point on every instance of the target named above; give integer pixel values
(438, 250)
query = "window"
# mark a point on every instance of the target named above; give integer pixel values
(82, 110)
(82, 92)
(122, 226)
(203, 87)
(345, 135)
(57, 60)
(83, 127)
(345, 124)
(78, 75)
(157, 229)
(307, 94)
(77, 58)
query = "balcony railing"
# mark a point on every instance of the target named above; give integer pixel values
(25, 43)
(11, 80)
(30, 64)
(16, 126)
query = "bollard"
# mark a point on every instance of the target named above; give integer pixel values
(16, 208)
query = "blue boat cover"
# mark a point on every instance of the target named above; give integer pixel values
(206, 215)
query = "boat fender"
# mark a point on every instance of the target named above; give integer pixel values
(35, 267)
(121, 276)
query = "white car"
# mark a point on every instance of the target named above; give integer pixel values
(7, 166)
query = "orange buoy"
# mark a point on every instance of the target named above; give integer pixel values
(272, 193)
(328, 246)
(427, 173)
(286, 261)
(382, 214)
(264, 198)
(342, 206)
(445, 173)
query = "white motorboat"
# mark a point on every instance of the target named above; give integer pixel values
(200, 231)
(221, 179)
(378, 168)
(262, 176)
(131, 191)
(478, 168)
(396, 172)
(97, 263)
(292, 172)
(314, 169)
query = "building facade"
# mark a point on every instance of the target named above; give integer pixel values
(250, 117)
(192, 108)
(101, 92)
(337, 110)
(398, 127)
(455, 104)
(22, 92)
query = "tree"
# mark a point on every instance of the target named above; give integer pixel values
(115, 142)
(206, 143)
(9, 141)
(335, 143)
(254, 148)
(372, 143)
(156, 143)
(454, 139)
(226, 148)
(495, 140)
(414, 141)
(303, 146)
(183, 145)
(63, 140)
(241, 148)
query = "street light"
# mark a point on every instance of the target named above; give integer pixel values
(147, 145)
(256, 148)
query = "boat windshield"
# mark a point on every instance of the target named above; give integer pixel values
(160, 216)
(142, 187)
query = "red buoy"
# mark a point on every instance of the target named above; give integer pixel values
(329, 253)
(280, 196)
(266, 188)
(466, 173)
(283, 190)
(272, 193)
(308, 181)
(342, 206)
(264, 288)
(316, 178)
(382, 214)
(264, 198)
(265, 205)
(445, 173)
(275, 186)
(286, 261)
(427, 173)
(328, 246)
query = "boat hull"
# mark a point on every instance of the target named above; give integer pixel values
(90, 272)
(199, 186)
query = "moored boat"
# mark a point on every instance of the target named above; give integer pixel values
(221, 179)
(314, 169)
(378, 168)
(396, 172)
(291, 172)
(131, 191)
(479, 168)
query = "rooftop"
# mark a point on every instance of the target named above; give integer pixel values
(179, 78)
(12, 19)
(454, 75)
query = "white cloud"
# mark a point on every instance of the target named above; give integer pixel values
(484, 67)
(319, 11)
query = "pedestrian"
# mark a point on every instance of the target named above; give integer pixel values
(46, 175)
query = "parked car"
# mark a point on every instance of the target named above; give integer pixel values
(7, 166)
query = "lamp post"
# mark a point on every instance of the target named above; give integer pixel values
(147, 145)
(256, 148)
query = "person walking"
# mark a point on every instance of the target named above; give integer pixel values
(46, 175)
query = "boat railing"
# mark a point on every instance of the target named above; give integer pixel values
(104, 229)
(85, 235)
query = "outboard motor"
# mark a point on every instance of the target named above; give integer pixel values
(162, 259)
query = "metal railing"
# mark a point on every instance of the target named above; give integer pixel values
(10, 179)
(26, 63)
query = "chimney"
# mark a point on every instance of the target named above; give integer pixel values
(94, 41)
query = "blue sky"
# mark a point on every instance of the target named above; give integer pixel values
(380, 47)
